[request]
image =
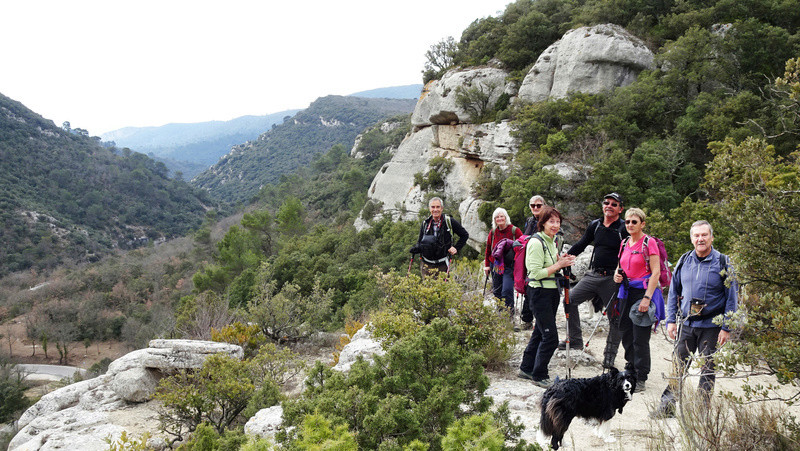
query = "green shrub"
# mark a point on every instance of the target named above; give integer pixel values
(422, 385)
(412, 303)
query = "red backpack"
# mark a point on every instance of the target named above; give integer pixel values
(520, 270)
(666, 275)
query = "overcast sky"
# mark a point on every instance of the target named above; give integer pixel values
(104, 65)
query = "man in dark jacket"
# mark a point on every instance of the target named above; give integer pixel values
(435, 242)
(702, 289)
(606, 234)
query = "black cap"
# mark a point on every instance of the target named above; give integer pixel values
(614, 196)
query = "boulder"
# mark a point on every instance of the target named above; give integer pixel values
(437, 105)
(587, 59)
(168, 356)
(81, 415)
(265, 422)
(135, 384)
(361, 344)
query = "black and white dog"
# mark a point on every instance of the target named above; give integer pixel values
(594, 399)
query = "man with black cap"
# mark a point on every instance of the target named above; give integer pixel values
(606, 234)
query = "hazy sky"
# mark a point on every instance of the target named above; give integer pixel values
(108, 64)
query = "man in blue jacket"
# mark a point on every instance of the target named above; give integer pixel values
(705, 287)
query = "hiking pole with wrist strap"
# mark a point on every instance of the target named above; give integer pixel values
(597, 324)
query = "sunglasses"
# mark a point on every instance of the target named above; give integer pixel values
(608, 202)
(631, 221)
(537, 205)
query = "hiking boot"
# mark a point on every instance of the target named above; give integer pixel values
(640, 387)
(608, 362)
(562, 345)
(527, 326)
(543, 383)
(524, 375)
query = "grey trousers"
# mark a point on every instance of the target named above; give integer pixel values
(591, 285)
(704, 341)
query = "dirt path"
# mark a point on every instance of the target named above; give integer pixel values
(632, 428)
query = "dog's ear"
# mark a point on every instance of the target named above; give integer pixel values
(613, 371)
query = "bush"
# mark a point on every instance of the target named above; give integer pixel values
(12, 392)
(287, 314)
(412, 303)
(424, 383)
(225, 391)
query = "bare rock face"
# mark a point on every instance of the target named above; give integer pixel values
(437, 105)
(468, 146)
(587, 59)
(82, 415)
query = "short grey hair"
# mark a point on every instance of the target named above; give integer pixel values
(441, 202)
(500, 211)
(537, 197)
(699, 223)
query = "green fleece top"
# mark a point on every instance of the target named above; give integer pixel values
(537, 259)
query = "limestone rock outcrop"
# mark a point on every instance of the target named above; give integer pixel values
(587, 59)
(438, 106)
(82, 415)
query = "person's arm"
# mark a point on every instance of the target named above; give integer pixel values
(731, 291)
(652, 283)
(586, 239)
(517, 234)
(487, 259)
(462, 233)
(673, 303)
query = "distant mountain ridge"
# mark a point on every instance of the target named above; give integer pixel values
(193, 147)
(330, 120)
(394, 92)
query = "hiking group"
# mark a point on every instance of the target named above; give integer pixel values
(627, 271)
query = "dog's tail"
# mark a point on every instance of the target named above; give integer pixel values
(553, 421)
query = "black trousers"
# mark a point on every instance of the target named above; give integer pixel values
(635, 339)
(544, 338)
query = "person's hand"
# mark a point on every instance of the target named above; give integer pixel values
(617, 277)
(672, 330)
(486, 270)
(452, 250)
(723, 337)
(566, 260)
(644, 305)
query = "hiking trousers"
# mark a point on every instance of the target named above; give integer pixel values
(635, 339)
(592, 285)
(704, 341)
(544, 338)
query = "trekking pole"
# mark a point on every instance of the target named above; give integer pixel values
(566, 312)
(486, 281)
(597, 324)
(409, 264)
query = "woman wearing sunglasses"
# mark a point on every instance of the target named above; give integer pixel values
(639, 268)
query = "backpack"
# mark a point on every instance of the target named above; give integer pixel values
(520, 247)
(665, 277)
(431, 246)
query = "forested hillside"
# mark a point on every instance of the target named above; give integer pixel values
(294, 143)
(64, 197)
